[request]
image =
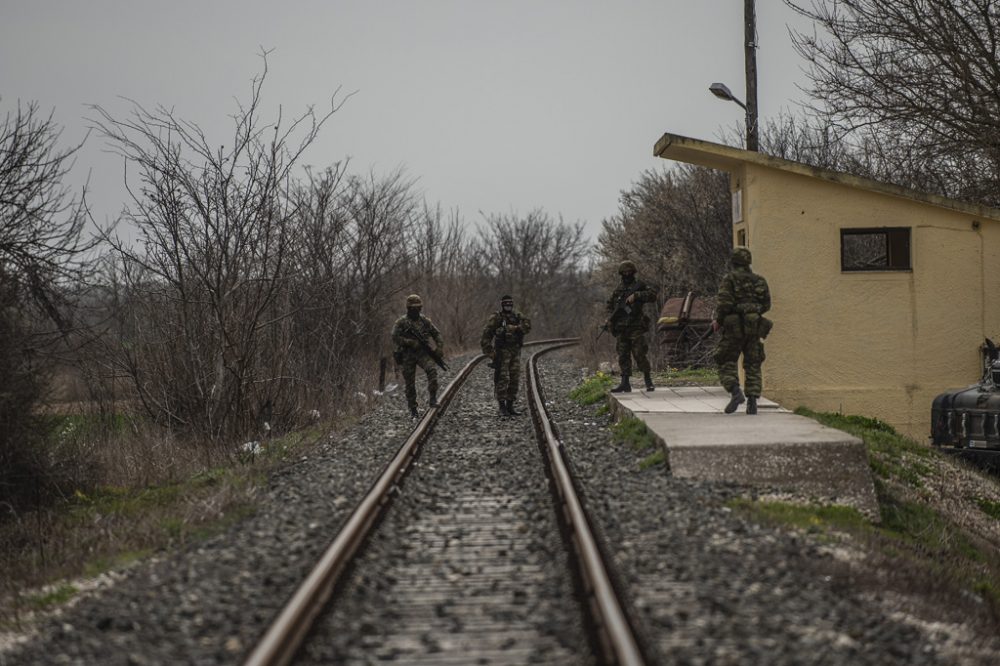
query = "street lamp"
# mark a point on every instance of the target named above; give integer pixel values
(722, 91)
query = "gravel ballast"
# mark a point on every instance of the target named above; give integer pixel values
(707, 585)
(710, 587)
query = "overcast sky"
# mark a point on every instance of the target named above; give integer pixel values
(492, 106)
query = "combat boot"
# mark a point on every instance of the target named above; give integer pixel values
(510, 409)
(736, 400)
(623, 387)
(434, 400)
(413, 412)
(503, 408)
(649, 381)
(751, 404)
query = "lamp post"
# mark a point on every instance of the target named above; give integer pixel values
(750, 57)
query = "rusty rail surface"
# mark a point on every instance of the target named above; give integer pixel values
(614, 630)
(285, 635)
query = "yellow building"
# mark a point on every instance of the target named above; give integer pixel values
(882, 296)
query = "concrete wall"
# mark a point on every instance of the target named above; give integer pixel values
(874, 343)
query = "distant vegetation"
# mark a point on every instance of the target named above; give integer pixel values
(241, 296)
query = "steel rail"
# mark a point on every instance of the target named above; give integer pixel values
(615, 631)
(285, 635)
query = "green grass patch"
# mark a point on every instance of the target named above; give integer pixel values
(989, 507)
(633, 431)
(652, 460)
(891, 455)
(603, 410)
(285, 445)
(99, 565)
(64, 427)
(56, 597)
(686, 377)
(593, 389)
(925, 529)
(911, 535)
(812, 518)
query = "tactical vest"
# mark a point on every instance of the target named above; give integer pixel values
(748, 306)
(423, 326)
(501, 337)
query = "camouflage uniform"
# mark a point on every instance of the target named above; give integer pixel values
(743, 297)
(408, 353)
(630, 325)
(503, 336)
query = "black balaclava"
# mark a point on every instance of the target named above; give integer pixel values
(413, 312)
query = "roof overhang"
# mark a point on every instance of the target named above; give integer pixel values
(728, 158)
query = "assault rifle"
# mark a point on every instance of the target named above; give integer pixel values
(501, 334)
(433, 353)
(622, 308)
(603, 328)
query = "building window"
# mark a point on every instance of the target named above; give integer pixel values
(741, 238)
(884, 249)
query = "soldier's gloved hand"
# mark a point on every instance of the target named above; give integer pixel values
(513, 329)
(630, 299)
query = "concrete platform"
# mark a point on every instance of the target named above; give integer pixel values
(775, 449)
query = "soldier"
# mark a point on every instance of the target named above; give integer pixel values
(630, 325)
(743, 299)
(409, 337)
(502, 338)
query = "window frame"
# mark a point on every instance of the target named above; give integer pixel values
(904, 237)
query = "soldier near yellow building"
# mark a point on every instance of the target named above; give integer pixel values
(503, 336)
(410, 338)
(630, 325)
(742, 301)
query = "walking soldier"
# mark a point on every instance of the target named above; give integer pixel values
(630, 325)
(502, 339)
(742, 301)
(410, 337)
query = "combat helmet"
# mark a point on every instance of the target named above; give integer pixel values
(413, 301)
(506, 298)
(741, 257)
(626, 267)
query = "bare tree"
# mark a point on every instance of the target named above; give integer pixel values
(914, 85)
(675, 225)
(41, 221)
(206, 312)
(445, 269)
(42, 244)
(351, 258)
(539, 260)
(382, 213)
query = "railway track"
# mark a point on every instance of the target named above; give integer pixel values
(471, 564)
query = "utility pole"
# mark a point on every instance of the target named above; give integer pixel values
(750, 57)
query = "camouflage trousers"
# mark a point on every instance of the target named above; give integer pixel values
(727, 356)
(409, 366)
(629, 345)
(507, 373)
